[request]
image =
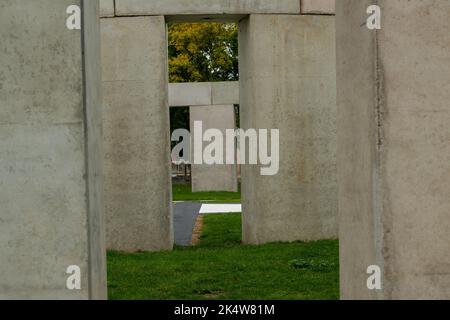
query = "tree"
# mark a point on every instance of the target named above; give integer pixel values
(201, 52)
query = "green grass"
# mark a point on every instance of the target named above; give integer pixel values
(221, 231)
(221, 268)
(183, 192)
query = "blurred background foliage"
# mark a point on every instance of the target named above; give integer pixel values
(201, 52)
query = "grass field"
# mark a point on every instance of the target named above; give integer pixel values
(183, 192)
(220, 267)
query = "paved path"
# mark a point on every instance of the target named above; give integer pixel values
(185, 215)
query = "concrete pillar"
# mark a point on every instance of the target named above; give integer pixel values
(50, 150)
(287, 82)
(394, 150)
(214, 177)
(136, 134)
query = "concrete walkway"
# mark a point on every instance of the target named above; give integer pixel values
(185, 214)
(184, 217)
(221, 208)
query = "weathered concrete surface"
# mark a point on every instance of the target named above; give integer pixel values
(203, 93)
(290, 87)
(202, 7)
(106, 8)
(136, 134)
(225, 92)
(213, 177)
(50, 173)
(190, 94)
(393, 97)
(94, 148)
(318, 6)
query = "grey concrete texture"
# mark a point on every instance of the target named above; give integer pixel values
(393, 94)
(203, 93)
(136, 134)
(202, 7)
(50, 176)
(190, 94)
(94, 148)
(107, 8)
(225, 92)
(214, 177)
(318, 6)
(288, 82)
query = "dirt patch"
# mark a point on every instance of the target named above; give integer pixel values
(197, 230)
(212, 295)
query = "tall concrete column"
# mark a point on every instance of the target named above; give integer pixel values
(214, 177)
(287, 82)
(51, 212)
(394, 150)
(136, 134)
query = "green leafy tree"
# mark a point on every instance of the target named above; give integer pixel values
(201, 52)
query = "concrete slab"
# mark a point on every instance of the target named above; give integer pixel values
(201, 7)
(184, 217)
(221, 208)
(394, 153)
(215, 177)
(136, 134)
(106, 8)
(190, 94)
(203, 93)
(318, 6)
(225, 92)
(291, 87)
(50, 150)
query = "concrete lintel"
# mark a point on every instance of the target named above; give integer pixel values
(290, 88)
(214, 177)
(203, 93)
(106, 8)
(225, 92)
(393, 149)
(189, 94)
(202, 7)
(191, 18)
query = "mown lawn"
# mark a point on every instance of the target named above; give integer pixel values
(183, 192)
(221, 268)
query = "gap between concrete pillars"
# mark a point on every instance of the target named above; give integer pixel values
(287, 82)
(136, 134)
